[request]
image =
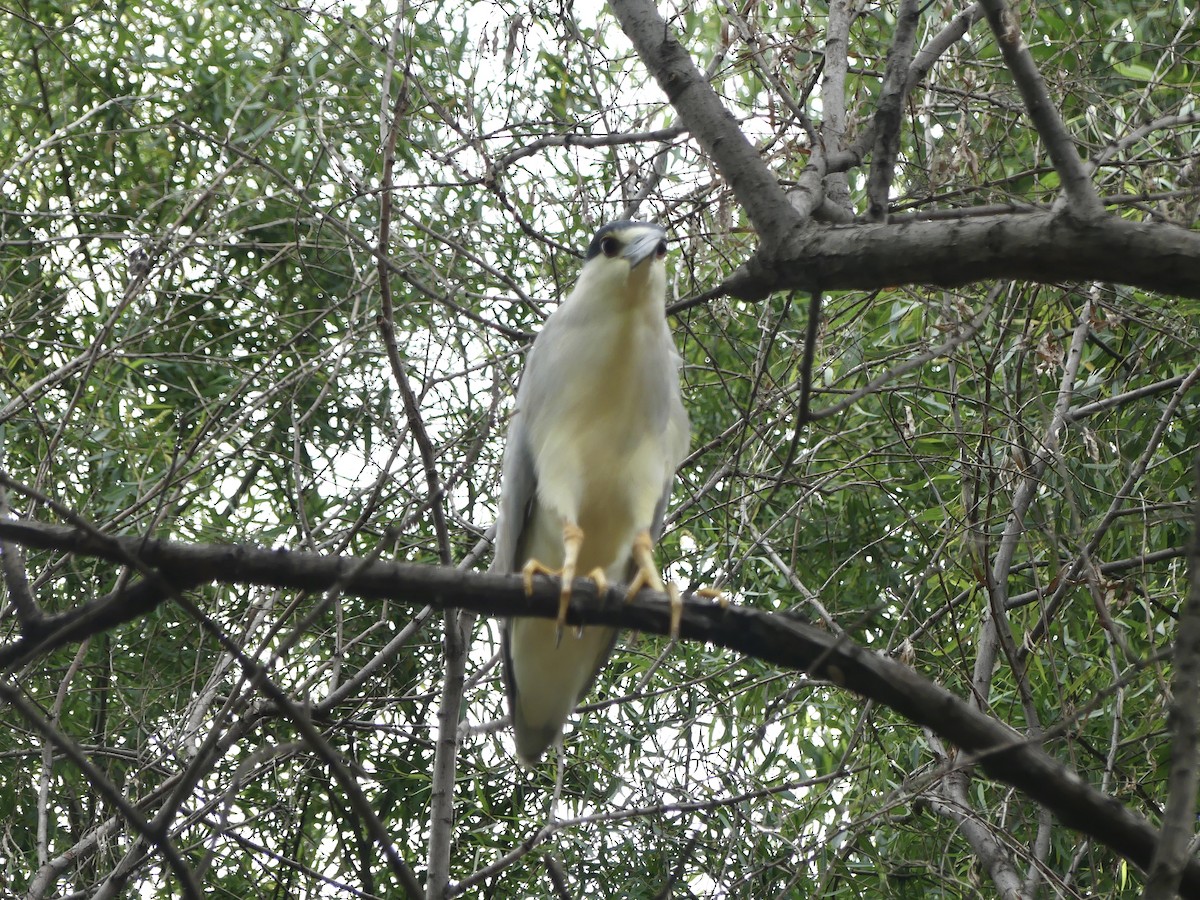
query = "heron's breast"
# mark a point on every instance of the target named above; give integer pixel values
(604, 450)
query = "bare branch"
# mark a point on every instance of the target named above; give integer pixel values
(12, 565)
(456, 642)
(921, 64)
(14, 697)
(941, 42)
(960, 337)
(1132, 477)
(887, 114)
(1037, 246)
(951, 800)
(784, 641)
(659, 136)
(158, 588)
(994, 626)
(707, 119)
(1126, 141)
(833, 100)
(1006, 26)
(387, 328)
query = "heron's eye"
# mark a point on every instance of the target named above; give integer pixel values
(661, 250)
(610, 247)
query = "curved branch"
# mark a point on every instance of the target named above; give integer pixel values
(833, 100)
(921, 64)
(997, 749)
(710, 123)
(889, 113)
(573, 139)
(152, 832)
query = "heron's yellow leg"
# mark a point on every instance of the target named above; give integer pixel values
(597, 575)
(647, 576)
(714, 594)
(572, 543)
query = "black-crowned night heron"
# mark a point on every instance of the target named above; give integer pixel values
(593, 444)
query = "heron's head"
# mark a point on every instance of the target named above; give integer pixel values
(625, 261)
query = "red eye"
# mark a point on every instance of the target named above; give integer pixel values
(661, 250)
(610, 247)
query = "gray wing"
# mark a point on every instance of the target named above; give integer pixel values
(518, 491)
(518, 477)
(518, 487)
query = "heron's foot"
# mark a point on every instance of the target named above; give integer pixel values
(534, 567)
(597, 575)
(676, 608)
(647, 576)
(714, 594)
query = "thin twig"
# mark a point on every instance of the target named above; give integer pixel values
(995, 632)
(12, 563)
(660, 136)
(960, 337)
(387, 327)
(130, 552)
(1068, 577)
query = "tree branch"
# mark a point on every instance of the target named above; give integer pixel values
(995, 630)
(158, 587)
(952, 802)
(888, 113)
(153, 834)
(710, 123)
(572, 139)
(833, 101)
(1006, 26)
(441, 801)
(387, 328)
(1035, 246)
(29, 614)
(781, 640)
(924, 60)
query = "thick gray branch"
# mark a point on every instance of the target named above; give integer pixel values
(833, 105)
(1035, 246)
(921, 64)
(783, 641)
(952, 801)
